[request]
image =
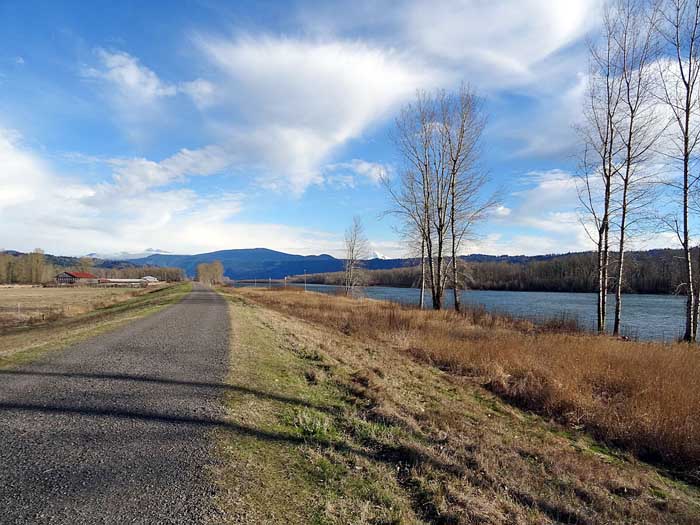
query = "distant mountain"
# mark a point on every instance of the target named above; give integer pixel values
(262, 263)
(256, 263)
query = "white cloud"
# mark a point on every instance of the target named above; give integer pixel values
(294, 104)
(541, 218)
(498, 244)
(133, 81)
(347, 173)
(133, 175)
(500, 42)
(21, 175)
(493, 44)
(298, 101)
(202, 92)
(501, 211)
(40, 208)
(137, 93)
(529, 48)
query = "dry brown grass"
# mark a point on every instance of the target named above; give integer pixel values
(24, 344)
(27, 305)
(643, 397)
(458, 453)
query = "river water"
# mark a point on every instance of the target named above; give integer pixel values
(645, 317)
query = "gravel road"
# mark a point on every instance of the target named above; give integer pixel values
(117, 429)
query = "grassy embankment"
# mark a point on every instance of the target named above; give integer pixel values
(89, 312)
(372, 413)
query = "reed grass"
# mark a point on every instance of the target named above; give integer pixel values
(641, 396)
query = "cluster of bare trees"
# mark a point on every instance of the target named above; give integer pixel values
(439, 194)
(210, 273)
(642, 114)
(33, 268)
(30, 268)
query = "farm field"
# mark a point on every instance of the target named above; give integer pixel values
(25, 343)
(29, 305)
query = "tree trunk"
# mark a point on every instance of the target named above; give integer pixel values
(618, 291)
(455, 281)
(696, 304)
(432, 273)
(437, 283)
(689, 335)
(422, 274)
(620, 266)
(606, 266)
(455, 286)
(601, 288)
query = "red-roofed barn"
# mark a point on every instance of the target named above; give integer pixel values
(76, 278)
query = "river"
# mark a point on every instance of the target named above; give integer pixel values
(644, 317)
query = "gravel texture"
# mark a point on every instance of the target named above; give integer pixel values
(117, 429)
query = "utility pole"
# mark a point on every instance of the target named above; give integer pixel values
(304, 279)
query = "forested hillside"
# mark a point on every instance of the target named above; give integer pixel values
(655, 271)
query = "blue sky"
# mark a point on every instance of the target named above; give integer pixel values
(204, 125)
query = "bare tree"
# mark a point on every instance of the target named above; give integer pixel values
(356, 250)
(85, 264)
(637, 48)
(601, 153)
(439, 192)
(210, 273)
(413, 193)
(462, 123)
(680, 29)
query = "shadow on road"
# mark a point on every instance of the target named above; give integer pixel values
(401, 455)
(223, 387)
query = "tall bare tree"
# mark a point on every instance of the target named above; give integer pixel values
(356, 250)
(635, 37)
(680, 29)
(439, 193)
(413, 195)
(601, 153)
(462, 123)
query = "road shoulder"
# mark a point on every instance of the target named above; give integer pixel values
(298, 457)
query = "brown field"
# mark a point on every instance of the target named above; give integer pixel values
(642, 397)
(27, 305)
(24, 343)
